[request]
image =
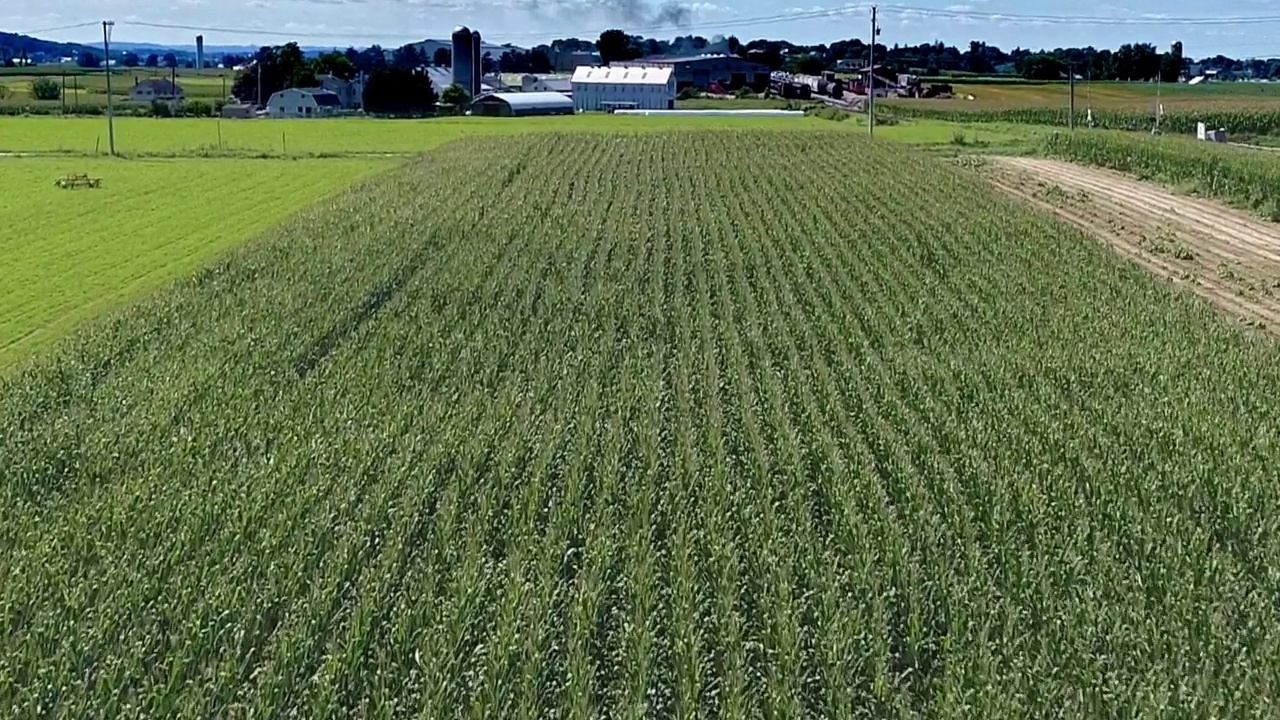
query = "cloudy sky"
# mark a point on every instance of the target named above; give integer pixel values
(1007, 23)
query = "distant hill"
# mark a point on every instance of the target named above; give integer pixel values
(14, 45)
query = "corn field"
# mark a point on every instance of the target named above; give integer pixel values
(648, 426)
(1259, 121)
(1246, 178)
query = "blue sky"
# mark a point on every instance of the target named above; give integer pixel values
(393, 22)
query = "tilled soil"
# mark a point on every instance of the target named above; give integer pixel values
(1223, 255)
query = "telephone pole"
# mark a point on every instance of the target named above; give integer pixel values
(106, 63)
(871, 77)
(1071, 82)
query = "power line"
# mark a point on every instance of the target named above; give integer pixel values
(60, 27)
(773, 19)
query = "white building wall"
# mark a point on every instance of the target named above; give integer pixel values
(594, 96)
(292, 104)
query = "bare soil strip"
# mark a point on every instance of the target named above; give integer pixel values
(1223, 255)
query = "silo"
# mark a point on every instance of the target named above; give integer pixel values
(199, 52)
(476, 65)
(462, 58)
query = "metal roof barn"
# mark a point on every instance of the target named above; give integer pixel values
(522, 104)
(614, 88)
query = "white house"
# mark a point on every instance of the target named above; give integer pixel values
(303, 103)
(349, 92)
(159, 89)
(614, 88)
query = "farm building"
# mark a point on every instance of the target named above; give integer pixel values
(567, 61)
(350, 92)
(615, 88)
(701, 71)
(237, 110)
(547, 83)
(522, 104)
(442, 77)
(158, 89)
(303, 103)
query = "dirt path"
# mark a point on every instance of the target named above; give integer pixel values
(1223, 255)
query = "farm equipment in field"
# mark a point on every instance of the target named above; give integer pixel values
(77, 180)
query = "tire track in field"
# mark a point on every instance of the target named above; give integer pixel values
(1127, 213)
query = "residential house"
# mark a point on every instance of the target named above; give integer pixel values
(303, 103)
(349, 92)
(157, 89)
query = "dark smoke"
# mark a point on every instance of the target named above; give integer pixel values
(628, 13)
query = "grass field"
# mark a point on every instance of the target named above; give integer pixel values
(69, 254)
(668, 436)
(90, 87)
(303, 138)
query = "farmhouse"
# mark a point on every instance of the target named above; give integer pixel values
(350, 92)
(158, 89)
(303, 103)
(522, 104)
(632, 88)
(702, 70)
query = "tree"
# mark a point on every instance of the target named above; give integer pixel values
(153, 60)
(396, 91)
(615, 46)
(335, 64)
(487, 65)
(456, 96)
(130, 59)
(1171, 63)
(406, 57)
(88, 60)
(280, 67)
(45, 89)
(976, 59)
(734, 44)
(170, 60)
(443, 57)
(230, 61)
(1041, 66)
(808, 64)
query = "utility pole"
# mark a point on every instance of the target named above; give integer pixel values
(106, 60)
(258, 71)
(1159, 106)
(871, 77)
(1071, 82)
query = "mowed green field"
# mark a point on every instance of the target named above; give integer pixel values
(90, 87)
(150, 136)
(70, 253)
(623, 426)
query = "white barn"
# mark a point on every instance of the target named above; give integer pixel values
(303, 103)
(623, 88)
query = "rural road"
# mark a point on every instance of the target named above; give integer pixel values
(1221, 254)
